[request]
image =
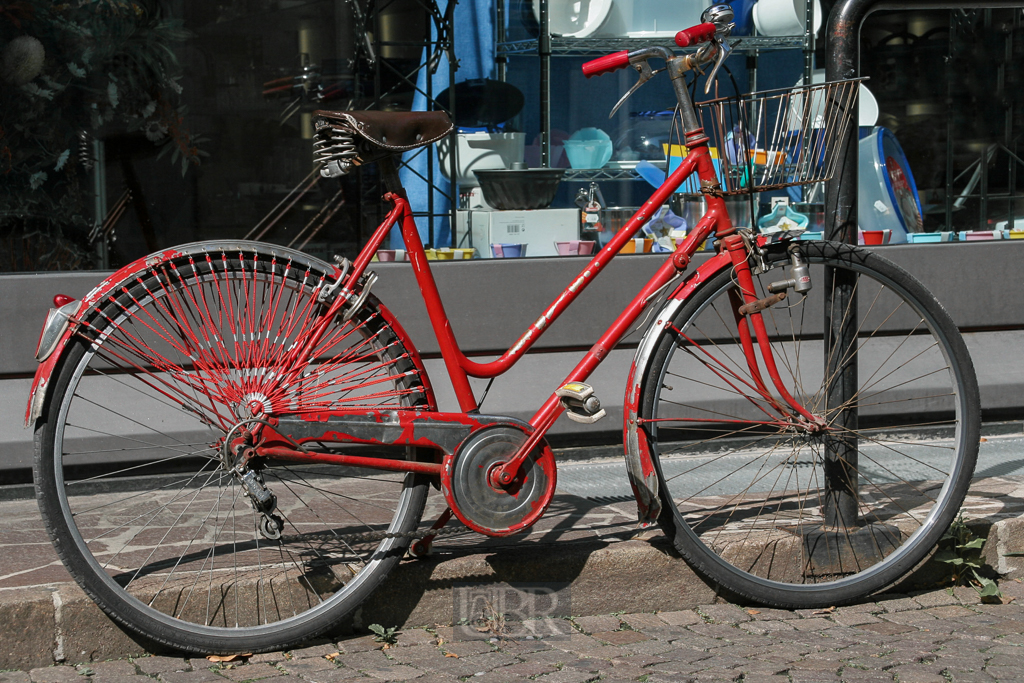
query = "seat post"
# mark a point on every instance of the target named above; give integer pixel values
(390, 175)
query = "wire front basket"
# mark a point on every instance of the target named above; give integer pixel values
(778, 138)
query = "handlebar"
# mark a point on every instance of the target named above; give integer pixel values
(606, 64)
(701, 33)
(695, 35)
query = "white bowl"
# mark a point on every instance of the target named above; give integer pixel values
(784, 17)
(867, 112)
(574, 18)
(483, 151)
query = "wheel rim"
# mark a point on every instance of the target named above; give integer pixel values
(174, 362)
(746, 493)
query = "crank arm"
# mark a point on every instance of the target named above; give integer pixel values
(646, 74)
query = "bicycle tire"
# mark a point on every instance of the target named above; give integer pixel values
(165, 540)
(744, 501)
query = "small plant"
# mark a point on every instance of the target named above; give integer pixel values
(388, 636)
(491, 621)
(961, 550)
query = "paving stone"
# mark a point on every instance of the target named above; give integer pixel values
(468, 648)
(597, 624)
(681, 618)
(195, 676)
(158, 665)
(529, 669)
(369, 659)
(313, 651)
(608, 652)
(887, 628)
(121, 678)
(120, 667)
(415, 636)
(812, 624)
(854, 618)
(851, 674)
(54, 674)
(1005, 673)
(937, 598)
(360, 644)
(301, 667)
(271, 657)
(766, 627)
(567, 676)
(971, 677)
(768, 614)
(334, 675)
(250, 672)
(640, 621)
(898, 605)
(762, 678)
(620, 637)
(716, 675)
(725, 614)
(14, 677)
(913, 674)
(396, 672)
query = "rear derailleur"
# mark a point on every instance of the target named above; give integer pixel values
(239, 456)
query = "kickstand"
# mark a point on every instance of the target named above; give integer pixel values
(421, 548)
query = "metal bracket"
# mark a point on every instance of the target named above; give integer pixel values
(368, 281)
(327, 293)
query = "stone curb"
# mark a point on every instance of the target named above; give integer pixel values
(61, 624)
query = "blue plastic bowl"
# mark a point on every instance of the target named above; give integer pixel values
(588, 153)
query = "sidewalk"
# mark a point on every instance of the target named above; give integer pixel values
(930, 637)
(585, 541)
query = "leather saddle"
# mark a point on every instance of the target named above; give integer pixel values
(351, 138)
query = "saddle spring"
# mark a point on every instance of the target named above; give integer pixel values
(335, 149)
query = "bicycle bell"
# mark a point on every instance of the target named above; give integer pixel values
(721, 16)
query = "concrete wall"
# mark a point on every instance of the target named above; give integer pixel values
(490, 303)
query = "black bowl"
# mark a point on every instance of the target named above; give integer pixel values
(516, 190)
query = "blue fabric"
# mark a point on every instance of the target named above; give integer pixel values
(474, 50)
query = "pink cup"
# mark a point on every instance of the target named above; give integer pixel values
(570, 248)
(385, 254)
(586, 247)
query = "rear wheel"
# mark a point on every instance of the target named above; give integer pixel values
(138, 492)
(759, 500)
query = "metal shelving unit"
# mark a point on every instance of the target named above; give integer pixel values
(586, 47)
(546, 46)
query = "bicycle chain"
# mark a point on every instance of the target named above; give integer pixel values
(376, 535)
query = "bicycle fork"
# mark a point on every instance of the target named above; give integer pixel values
(747, 311)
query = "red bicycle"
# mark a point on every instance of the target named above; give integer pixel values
(801, 417)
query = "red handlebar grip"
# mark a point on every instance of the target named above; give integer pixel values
(694, 35)
(607, 64)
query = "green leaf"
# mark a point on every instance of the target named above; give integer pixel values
(1021, 554)
(973, 545)
(948, 556)
(378, 629)
(112, 94)
(76, 71)
(62, 159)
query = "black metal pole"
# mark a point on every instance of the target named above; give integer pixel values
(544, 50)
(843, 61)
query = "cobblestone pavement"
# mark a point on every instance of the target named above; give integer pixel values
(933, 636)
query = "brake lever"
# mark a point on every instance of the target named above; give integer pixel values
(646, 74)
(723, 53)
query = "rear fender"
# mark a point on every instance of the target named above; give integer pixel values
(643, 477)
(41, 390)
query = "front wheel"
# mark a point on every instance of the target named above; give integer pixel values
(139, 494)
(798, 513)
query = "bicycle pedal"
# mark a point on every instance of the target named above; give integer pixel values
(580, 403)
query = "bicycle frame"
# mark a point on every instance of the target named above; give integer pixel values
(460, 368)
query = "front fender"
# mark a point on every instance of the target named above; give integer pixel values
(41, 385)
(643, 477)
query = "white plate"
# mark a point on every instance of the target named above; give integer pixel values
(867, 113)
(574, 18)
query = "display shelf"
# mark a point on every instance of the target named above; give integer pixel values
(587, 174)
(582, 47)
